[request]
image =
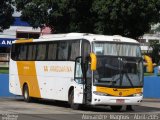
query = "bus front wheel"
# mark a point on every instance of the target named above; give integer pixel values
(71, 101)
(26, 96)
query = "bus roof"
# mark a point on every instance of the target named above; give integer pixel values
(73, 36)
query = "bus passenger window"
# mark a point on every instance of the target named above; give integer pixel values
(31, 52)
(15, 52)
(63, 51)
(23, 52)
(52, 51)
(41, 52)
(75, 50)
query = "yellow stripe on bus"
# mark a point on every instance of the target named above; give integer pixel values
(119, 91)
(24, 40)
(27, 74)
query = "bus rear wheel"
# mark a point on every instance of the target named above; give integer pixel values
(71, 101)
(116, 108)
(26, 96)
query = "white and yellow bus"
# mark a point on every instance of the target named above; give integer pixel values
(79, 68)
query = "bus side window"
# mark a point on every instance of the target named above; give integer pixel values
(63, 51)
(52, 51)
(31, 52)
(41, 51)
(75, 50)
(15, 52)
(23, 52)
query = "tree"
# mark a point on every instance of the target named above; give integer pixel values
(6, 11)
(61, 15)
(155, 53)
(130, 18)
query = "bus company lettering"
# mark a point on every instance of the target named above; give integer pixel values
(57, 69)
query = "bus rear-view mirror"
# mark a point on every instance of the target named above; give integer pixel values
(93, 61)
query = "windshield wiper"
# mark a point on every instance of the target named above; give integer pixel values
(121, 79)
(129, 79)
(123, 71)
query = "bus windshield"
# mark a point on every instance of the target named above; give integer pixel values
(118, 65)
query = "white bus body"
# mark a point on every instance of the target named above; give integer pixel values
(62, 78)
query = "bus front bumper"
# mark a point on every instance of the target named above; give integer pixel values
(110, 100)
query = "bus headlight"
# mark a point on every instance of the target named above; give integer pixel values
(100, 93)
(137, 95)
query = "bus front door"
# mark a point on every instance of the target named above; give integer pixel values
(79, 83)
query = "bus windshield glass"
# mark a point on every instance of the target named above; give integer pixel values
(118, 65)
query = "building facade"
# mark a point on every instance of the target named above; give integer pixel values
(19, 29)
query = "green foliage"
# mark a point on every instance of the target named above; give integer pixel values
(4, 70)
(126, 17)
(61, 15)
(6, 12)
(130, 18)
(148, 74)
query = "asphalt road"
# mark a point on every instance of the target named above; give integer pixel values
(17, 109)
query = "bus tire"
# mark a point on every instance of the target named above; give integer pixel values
(71, 101)
(116, 108)
(26, 96)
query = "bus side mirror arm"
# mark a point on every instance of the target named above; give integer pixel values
(93, 61)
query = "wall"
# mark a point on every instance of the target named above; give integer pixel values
(151, 87)
(4, 86)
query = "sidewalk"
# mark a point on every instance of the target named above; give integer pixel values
(151, 102)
